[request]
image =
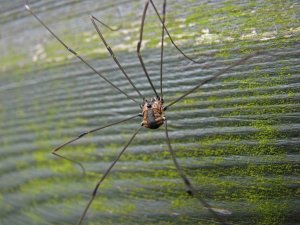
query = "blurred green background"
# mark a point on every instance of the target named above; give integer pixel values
(237, 138)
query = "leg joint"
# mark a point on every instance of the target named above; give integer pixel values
(72, 51)
(138, 46)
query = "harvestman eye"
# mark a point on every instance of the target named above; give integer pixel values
(152, 111)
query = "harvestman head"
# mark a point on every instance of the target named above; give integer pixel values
(152, 110)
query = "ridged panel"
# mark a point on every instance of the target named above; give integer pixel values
(236, 137)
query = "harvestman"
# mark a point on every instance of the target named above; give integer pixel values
(152, 110)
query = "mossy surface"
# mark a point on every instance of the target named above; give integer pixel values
(237, 138)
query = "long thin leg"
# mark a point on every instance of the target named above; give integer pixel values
(75, 53)
(112, 53)
(171, 39)
(212, 78)
(54, 151)
(191, 190)
(139, 48)
(105, 25)
(104, 176)
(162, 47)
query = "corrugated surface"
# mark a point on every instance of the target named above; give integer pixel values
(237, 137)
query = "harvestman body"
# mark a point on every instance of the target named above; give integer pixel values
(152, 110)
(153, 116)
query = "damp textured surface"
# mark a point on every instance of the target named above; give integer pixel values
(237, 137)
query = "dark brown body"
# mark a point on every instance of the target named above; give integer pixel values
(153, 116)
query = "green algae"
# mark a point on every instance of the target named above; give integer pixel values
(270, 19)
(106, 205)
